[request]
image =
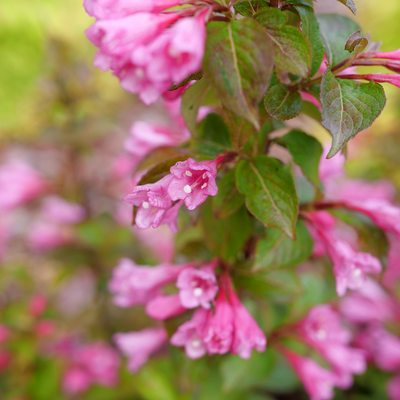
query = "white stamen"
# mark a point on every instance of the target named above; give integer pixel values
(357, 272)
(198, 292)
(196, 343)
(139, 73)
(173, 52)
(145, 205)
(188, 173)
(204, 185)
(187, 189)
(204, 176)
(321, 334)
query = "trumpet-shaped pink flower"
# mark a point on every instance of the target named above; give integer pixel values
(247, 335)
(331, 168)
(19, 183)
(193, 182)
(132, 284)
(58, 210)
(318, 382)
(392, 273)
(76, 380)
(153, 201)
(197, 287)
(139, 346)
(191, 334)
(393, 388)
(387, 55)
(394, 79)
(357, 190)
(164, 307)
(219, 331)
(108, 9)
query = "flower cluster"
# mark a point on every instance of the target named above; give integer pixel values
(216, 326)
(134, 43)
(158, 203)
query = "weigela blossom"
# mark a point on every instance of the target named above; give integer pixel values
(393, 388)
(76, 380)
(163, 307)
(193, 182)
(19, 183)
(45, 235)
(132, 284)
(58, 210)
(197, 287)
(139, 346)
(191, 334)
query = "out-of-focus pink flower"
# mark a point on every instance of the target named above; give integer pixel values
(76, 380)
(5, 359)
(393, 388)
(139, 346)
(247, 335)
(107, 9)
(318, 382)
(191, 334)
(311, 99)
(45, 235)
(392, 272)
(123, 166)
(381, 346)
(163, 307)
(193, 182)
(219, 331)
(60, 211)
(4, 333)
(132, 284)
(197, 287)
(357, 190)
(370, 303)
(37, 304)
(44, 329)
(152, 201)
(101, 361)
(394, 79)
(327, 222)
(331, 168)
(4, 237)
(19, 183)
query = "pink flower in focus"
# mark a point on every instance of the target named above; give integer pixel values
(164, 307)
(219, 331)
(19, 183)
(132, 284)
(37, 304)
(248, 334)
(139, 346)
(193, 182)
(153, 201)
(388, 55)
(58, 210)
(107, 9)
(318, 382)
(197, 287)
(76, 380)
(393, 388)
(101, 361)
(191, 334)
(394, 79)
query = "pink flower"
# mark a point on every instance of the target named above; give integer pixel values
(392, 273)
(393, 388)
(193, 182)
(388, 55)
(45, 328)
(325, 221)
(331, 168)
(101, 361)
(197, 287)
(139, 346)
(191, 334)
(318, 382)
(37, 305)
(132, 284)
(311, 99)
(4, 333)
(247, 334)
(19, 183)
(381, 346)
(5, 359)
(370, 303)
(219, 331)
(394, 79)
(358, 190)
(107, 9)
(44, 235)
(153, 201)
(58, 210)
(76, 380)
(164, 307)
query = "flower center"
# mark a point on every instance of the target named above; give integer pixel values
(197, 292)
(320, 334)
(196, 343)
(139, 73)
(357, 272)
(187, 189)
(145, 205)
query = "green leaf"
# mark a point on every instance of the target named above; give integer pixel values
(228, 200)
(270, 192)
(191, 102)
(249, 8)
(213, 136)
(350, 5)
(311, 110)
(292, 52)
(356, 43)
(257, 143)
(161, 154)
(159, 171)
(239, 128)
(238, 65)
(281, 103)
(299, 3)
(349, 107)
(310, 28)
(335, 30)
(276, 250)
(306, 152)
(226, 237)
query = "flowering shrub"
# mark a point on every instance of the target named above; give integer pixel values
(222, 252)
